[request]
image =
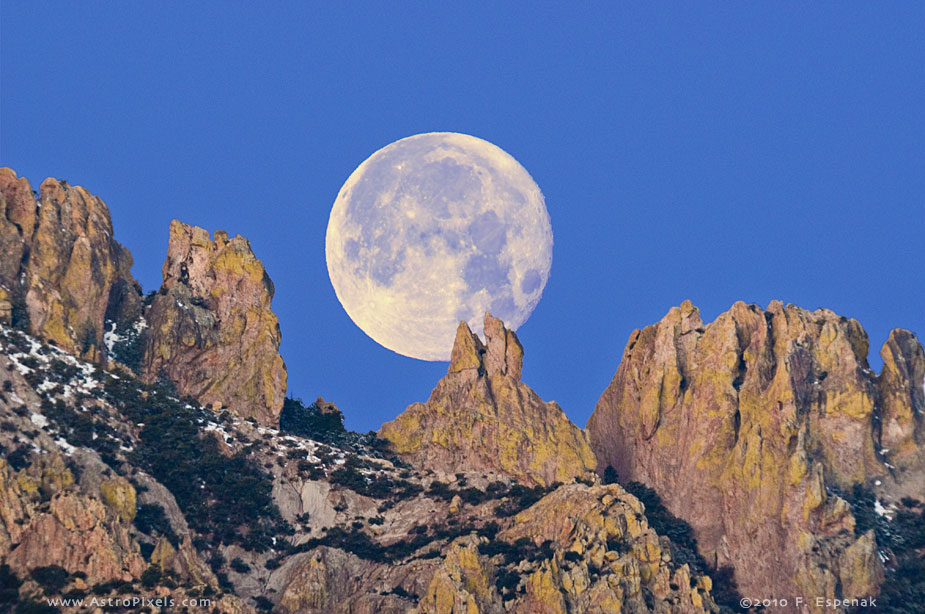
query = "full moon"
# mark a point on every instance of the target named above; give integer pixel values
(434, 229)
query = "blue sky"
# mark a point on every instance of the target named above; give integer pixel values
(714, 152)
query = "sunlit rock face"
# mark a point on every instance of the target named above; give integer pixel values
(210, 328)
(62, 274)
(481, 416)
(750, 426)
(434, 229)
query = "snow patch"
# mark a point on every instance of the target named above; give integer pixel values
(882, 511)
(64, 445)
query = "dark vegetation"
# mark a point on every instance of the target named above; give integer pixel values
(359, 543)
(9, 588)
(375, 484)
(49, 579)
(327, 427)
(225, 498)
(903, 590)
(683, 543)
(507, 580)
(52, 578)
(130, 348)
(81, 427)
(520, 497)
(151, 520)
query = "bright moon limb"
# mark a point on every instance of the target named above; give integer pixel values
(434, 229)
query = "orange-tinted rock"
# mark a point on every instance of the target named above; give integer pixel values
(77, 535)
(481, 416)
(902, 394)
(745, 425)
(210, 328)
(62, 271)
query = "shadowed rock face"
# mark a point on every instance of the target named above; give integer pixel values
(397, 540)
(481, 416)
(211, 330)
(578, 520)
(61, 271)
(745, 425)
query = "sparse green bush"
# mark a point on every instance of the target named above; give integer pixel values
(151, 577)
(239, 566)
(219, 496)
(151, 520)
(52, 578)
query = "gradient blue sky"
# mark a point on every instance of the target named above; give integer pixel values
(717, 152)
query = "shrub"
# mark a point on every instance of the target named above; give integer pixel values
(151, 520)
(151, 576)
(239, 566)
(684, 544)
(328, 427)
(51, 578)
(310, 421)
(219, 496)
(9, 587)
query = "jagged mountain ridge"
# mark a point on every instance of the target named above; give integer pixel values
(209, 330)
(481, 416)
(489, 506)
(115, 485)
(757, 428)
(126, 489)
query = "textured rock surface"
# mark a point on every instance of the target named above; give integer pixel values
(747, 427)
(210, 328)
(353, 533)
(902, 395)
(481, 416)
(61, 271)
(47, 522)
(601, 556)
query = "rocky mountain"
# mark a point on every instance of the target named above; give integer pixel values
(481, 416)
(149, 451)
(111, 487)
(62, 274)
(210, 327)
(763, 430)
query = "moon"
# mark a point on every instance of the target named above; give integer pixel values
(434, 229)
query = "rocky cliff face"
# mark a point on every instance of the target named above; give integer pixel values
(210, 328)
(62, 274)
(749, 428)
(113, 488)
(600, 556)
(798, 468)
(481, 416)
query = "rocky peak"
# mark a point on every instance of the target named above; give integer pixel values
(902, 395)
(751, 425)
(62, 273)
(501, 354)
(481, 416)
(211, 330)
